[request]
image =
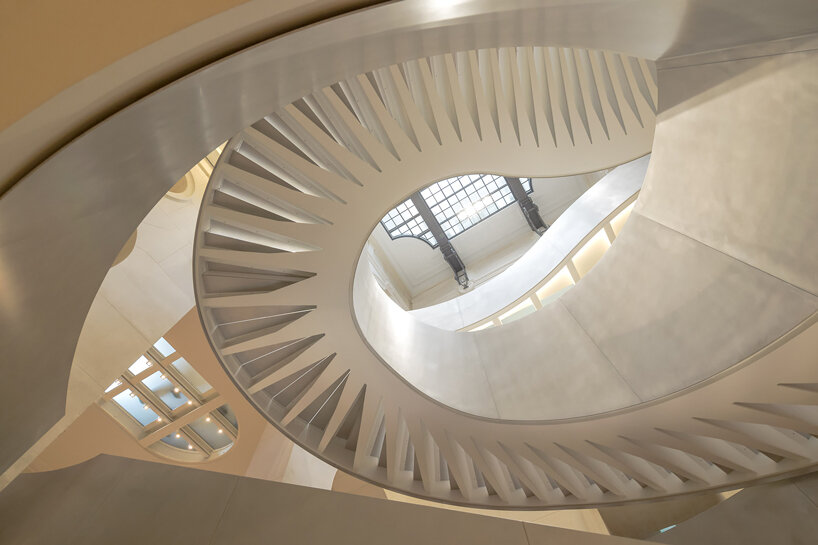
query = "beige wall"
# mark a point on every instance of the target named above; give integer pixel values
(785, 512)
(584, 520)
(61, 79)
(110, 500)
(50, 55)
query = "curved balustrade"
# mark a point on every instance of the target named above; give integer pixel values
(564, 254)
(645, 380)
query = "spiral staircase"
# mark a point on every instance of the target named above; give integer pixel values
(619, 390)
(684, 361)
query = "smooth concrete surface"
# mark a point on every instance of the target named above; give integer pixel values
(645, 520)
(55, 92)
(141, 298)
(570, 359)
(545, 256)
(582, 520)
(115, 500)
(760, 146)
(784, 513)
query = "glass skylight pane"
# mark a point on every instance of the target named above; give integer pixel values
(177, 440)
(191, 375)
(164, 390)
(227, 412)
(139, 365)
(113, 385)
(457, 204)
(135, 407)
(473, 198)
(164, 347)
(211, 431)
(403, 221)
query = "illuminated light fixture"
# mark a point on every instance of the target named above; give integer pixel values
(158, 418)
(176, 390)
(207, 419)
(190, 447)
(190, 403)
(178, 435)
(145, 406)
(221, 430)
(131, 394)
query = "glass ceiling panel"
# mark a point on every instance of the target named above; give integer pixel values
(135, 407)
(457, 203)
(227, 412)
(165, 390)
(177, 440)
(464, 201)
(164, 347)
(191, 375)
(113, 385)
(404, 221)
(211, 431)
(139, 365)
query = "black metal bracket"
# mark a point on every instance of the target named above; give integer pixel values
(530, 210)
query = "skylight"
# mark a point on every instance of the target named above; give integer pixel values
(162, 387)
(139, 365)
(404, 221)
(457, 204)
(135, 407)
(164, 347)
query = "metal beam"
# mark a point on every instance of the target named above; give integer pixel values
(530, 210)
(446, 248)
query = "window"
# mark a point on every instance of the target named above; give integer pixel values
(164, 347)
(159, 388)
(113, 385)
(139, 365)
(170, 395)
(404, 221)
(457, 203)
(135, 407)
(191, 375)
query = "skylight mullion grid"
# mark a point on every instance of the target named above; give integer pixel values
(404, 221)
(138, 401)
(458, 203)
(461, 202)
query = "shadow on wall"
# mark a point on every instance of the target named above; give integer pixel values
(108, 499)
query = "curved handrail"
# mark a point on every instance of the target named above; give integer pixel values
(528, 278)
